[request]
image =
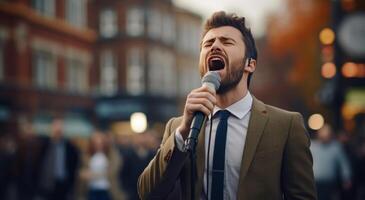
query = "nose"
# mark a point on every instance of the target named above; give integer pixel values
(216, 46)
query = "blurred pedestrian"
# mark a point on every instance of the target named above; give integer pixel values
(330, 164)
(29, 155)
(100, 168)
(135, 158)
(59, 165)
(7, 161)
(358, 147)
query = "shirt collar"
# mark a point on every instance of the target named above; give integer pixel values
(240, 108)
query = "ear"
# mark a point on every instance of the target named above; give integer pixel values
(250, 65)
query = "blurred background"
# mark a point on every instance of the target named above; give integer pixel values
(86, 87)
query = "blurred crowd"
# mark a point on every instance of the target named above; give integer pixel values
(339, 162)
(106, 167)
(52, 167)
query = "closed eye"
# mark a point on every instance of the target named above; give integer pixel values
(208, 44)
(228, 43)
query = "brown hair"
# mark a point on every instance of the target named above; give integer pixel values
(95, 139)
(221, 18)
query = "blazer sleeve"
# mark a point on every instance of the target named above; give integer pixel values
(298, 179)
(159, 178)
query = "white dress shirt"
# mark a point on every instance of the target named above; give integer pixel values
(236, 138)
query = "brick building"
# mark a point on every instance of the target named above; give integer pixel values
(94, 62)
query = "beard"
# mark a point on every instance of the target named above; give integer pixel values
(230, 81)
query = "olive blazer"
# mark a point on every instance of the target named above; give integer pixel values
(276, 161)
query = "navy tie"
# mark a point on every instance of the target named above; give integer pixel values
(219, 157)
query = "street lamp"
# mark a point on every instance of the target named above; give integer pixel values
(138, 122)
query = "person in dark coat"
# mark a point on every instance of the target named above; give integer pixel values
(59, 165)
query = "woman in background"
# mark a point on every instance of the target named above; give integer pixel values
(99, 173)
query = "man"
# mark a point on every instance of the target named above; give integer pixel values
(59, 165)
(261, 152)
(330, 164)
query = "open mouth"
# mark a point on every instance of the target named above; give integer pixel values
(216, 63)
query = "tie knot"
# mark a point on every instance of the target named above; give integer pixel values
(224, 114)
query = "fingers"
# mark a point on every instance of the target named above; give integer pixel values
(200, 104)
(200, 99)
(202, 95)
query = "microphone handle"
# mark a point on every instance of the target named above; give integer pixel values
(196, 125)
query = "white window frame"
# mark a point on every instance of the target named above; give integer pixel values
(108, 23)
(135, 71)
(135, 21)
(77, 76)
(44, 69)
(162, 74)
(44, 7)
(154, 24)
(76, 12)
(108, 73)
(2, 60)
(168, 33)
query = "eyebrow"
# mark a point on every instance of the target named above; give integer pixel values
(223, 38)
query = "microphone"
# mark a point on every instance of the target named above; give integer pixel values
(212, 81)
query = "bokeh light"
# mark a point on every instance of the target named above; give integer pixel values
(349, 70)
(328, 70)
(138, 122)
(316, 121)
(327, 36)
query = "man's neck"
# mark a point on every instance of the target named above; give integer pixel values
(232, 96)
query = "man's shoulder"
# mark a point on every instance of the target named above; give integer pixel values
(271, 110)
(280, 111)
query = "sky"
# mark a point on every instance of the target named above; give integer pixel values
(255, 11)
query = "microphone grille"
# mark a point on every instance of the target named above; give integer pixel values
(213, 78)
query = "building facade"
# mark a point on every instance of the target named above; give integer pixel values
(94, 62)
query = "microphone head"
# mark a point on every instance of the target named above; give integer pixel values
(212, 79)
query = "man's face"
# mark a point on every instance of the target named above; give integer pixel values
(223, 50)
(57, 129)
(325, 133)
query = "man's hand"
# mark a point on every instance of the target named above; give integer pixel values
(201, 99)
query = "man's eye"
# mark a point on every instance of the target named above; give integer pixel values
(208, 44)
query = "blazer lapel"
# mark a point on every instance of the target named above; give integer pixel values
(255, 130)
(200, 161)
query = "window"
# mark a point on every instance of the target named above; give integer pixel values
(162, 74)
(108, 73)
(188, 77)
(3, 38)
(135, 22)
(45, 69)
(135, 72)
(189, 38)
(2, 61)
(168, 28)
(108, 23)
(77, 76)
(76, 12)
(154, 24)
(44, 7)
